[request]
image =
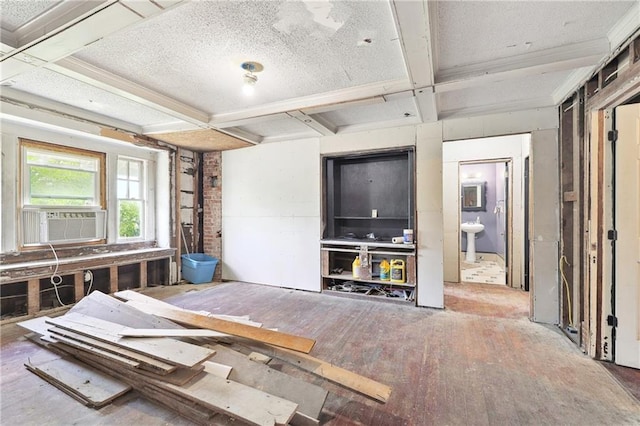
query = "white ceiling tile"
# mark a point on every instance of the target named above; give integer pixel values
(278, 127)
(471, 32)
(16, 13)
(376, 113)
(514, 91)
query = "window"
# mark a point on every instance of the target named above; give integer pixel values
(61, 177)
(131, 190)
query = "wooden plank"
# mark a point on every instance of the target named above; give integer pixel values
(143, 274)
(276, 338)
(214, 393)
(310, 398)
(131, 295)
(33, 296)
(74, 347)
(144, 361)
(237, 400)
(91, 385)
(78, 284)
(217, 369)
(178, 332)
(165, 349)
(113, 278)
(108, 308)
(346, 378)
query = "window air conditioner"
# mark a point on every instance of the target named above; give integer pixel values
(62, 226)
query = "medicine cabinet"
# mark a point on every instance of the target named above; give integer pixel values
(474, 196)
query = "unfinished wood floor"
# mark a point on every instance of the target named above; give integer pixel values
(478, 362)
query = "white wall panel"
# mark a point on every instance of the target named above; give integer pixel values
(371, 140)
(545, 226)
(271, 214)
(430, 288)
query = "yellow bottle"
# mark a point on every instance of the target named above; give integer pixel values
(398, 272)
(384, 270)
(355, 267)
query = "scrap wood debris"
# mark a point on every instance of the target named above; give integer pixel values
(208, 368)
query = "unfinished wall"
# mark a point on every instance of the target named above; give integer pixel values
(212, 208)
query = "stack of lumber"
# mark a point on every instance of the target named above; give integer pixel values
(208, 373)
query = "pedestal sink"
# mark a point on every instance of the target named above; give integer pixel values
(471, 228)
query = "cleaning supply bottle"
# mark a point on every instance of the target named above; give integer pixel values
(398, 271)
(385, 268)
(355, 267)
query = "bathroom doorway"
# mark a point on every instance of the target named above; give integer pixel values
(485, 221)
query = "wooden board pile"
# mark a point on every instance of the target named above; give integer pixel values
(209, 372)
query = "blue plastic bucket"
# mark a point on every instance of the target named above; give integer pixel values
(198, 268)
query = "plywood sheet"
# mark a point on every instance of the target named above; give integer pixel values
(96, 388)
(202, 140)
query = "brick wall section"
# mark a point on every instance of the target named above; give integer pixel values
(212, 209)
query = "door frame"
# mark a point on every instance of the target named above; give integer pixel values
(509, 220)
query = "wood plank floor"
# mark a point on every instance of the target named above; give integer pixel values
(478, 362)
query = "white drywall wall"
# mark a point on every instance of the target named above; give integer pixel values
(271, 214)
(545, 227)
(430, 291)
(503, 147)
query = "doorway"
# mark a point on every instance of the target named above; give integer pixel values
(485, 221)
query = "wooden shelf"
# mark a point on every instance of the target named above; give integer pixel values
(346, 276)
(370, 218)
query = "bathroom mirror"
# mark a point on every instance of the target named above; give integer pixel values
(473, 196)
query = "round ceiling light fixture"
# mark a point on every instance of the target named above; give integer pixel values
(250, 78)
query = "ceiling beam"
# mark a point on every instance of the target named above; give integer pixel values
(332, 99)
(561, 58)
(317, 123)
(414, 28)
(503, 107)
(97, 77)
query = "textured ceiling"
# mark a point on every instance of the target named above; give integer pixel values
(480, 31)
(172, 67)
(305, 48)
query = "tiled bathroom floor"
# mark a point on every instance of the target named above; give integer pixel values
(482, 271)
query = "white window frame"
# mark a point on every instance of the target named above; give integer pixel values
(144, 197)
(46, 148)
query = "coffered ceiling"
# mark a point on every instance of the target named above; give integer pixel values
(166, 68)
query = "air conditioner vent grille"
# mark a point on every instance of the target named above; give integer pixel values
(62, 226)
